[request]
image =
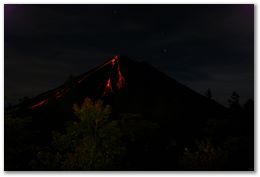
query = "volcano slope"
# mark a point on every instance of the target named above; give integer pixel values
(133, 89)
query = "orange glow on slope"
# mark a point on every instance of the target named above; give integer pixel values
(60, 93)
(79, 81)
(108, 87)
(120, 83)
(41, 103)
(121, 80)
(114, 60)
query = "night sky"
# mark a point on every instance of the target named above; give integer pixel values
(201, 46)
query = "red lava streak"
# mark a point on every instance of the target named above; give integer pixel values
(108, 87)
(114, 60)
(120, 83)
(39, 104)
(60, 93)
(121, 80)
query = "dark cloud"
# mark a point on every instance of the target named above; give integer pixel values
(201, 46)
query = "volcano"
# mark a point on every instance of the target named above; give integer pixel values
(130, 87)
(129, 79)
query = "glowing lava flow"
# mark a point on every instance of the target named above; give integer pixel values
(121, 80)
(41, 103)
(60, 93)
(108, 87)
(113, 61)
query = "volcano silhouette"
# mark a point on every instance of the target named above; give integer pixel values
(125, 78)
(129, 87)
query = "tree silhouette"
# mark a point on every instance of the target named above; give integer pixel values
(234, 101)
(91, 143)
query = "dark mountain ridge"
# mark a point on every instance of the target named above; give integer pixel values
(130, 87)
(139, 76)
